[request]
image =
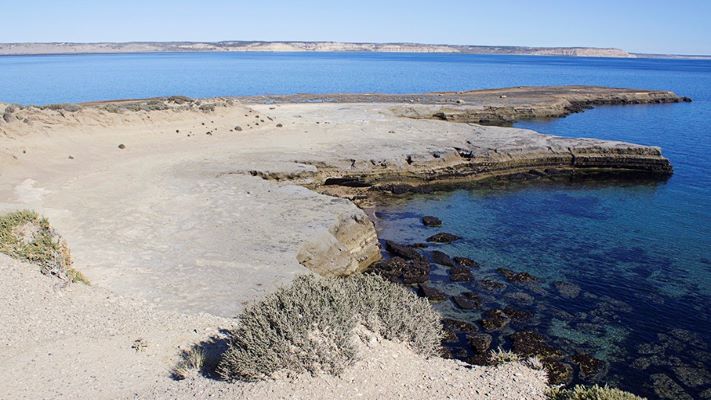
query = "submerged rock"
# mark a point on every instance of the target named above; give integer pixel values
(432, 294)
(460, 274)
(399, 270)
(431, 221)
(492, 286)
(467, 301)
(441, 258)
(559, 373)
(465, 262)
(666, 388)
(567, 289)
(529, 344)
(516, 277)
(404, 251)
(520, 297)
(590, 367)
(495, 320)
(480, 342)
(692, 376)
(443, 237)
(518, 315)
(453, 327)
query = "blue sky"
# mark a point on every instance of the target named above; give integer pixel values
(680, 26)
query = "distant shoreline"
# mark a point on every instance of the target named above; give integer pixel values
(61, 48)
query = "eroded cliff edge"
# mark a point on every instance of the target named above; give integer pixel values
(202, 205)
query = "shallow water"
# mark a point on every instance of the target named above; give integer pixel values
(638, 251)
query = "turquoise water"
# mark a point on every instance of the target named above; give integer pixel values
(638, 251)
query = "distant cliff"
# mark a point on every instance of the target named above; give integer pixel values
(243, 46)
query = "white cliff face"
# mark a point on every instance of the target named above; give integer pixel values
(287, 46)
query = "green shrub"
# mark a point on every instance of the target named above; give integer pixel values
(596, 392)
(310, 326)
(27, 236)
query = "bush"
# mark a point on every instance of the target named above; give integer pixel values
(27, 236)
(180, 99)
(596, 392)
(207, 107)
(62, 107)
(311, 326)
(7, 114)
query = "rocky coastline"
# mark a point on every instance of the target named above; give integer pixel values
(202, 206)
(351, 146)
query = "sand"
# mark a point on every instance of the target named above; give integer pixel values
(78, 343)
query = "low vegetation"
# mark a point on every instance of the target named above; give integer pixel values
(191, 363)
(7, 114)
(591, 393)
(312, 326)
(27, 236)
(70, 107)
(500, 356)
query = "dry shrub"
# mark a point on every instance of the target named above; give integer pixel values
(310, 326)
(191, 363)
(70, 107)
(27, 236)
(596, 392)
(501, 356)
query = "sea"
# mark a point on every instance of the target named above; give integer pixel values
(622, 268)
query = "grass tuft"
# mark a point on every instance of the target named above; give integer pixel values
(500, 356)
(311, 326)
(191, 364)
(26, 236)
(596, 392)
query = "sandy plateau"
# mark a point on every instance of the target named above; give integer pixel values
(180, 212)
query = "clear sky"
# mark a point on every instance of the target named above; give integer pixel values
(652, 26)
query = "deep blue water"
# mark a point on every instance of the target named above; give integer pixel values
(638, 251)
